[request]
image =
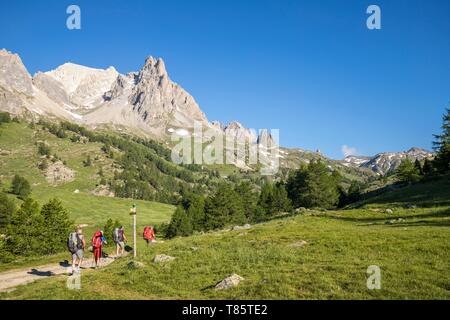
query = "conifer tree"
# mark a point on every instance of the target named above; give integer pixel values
(442, 145)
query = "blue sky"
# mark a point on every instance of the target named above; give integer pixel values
(309, 68)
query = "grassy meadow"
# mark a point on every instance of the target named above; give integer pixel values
(413, 254)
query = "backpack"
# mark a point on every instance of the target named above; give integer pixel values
(72, 242)
(116, 235)
(147, 232)
(97, 241)
(121, 238)
(79, 242)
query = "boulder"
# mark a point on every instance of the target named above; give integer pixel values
(132, 265)
(298, 244)
(229, 282)
(244, 227)
(389, 211)
(162, 258)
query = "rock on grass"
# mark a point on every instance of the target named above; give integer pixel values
(162, 258)
(133, 265)
(229, 282)
(298, 244)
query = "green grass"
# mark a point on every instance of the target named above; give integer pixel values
(414, 257)
(429, 193)
(413, 253)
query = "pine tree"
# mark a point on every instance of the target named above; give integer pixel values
(7, 208)
(266, 198)
(180, 224)
(281, 201)
(442, 145)
(418, 166)
(195, 209)
(224, 208)
(57, 226)
(313, 186)
(249, 200)
(26, 231)
(408, 172)
(428, 167)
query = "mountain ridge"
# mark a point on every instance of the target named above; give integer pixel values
(145, 102)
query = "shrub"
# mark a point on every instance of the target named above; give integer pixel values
(20, 187)
(5, 117)
(43, 149)
(7, 208)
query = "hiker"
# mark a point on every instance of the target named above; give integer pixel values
(149, 234)
(76, 245)
(97, 243)
(119, 238)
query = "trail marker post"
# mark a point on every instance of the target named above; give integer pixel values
(133, 211)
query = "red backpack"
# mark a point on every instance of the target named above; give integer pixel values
(97, 240)
(147, 233)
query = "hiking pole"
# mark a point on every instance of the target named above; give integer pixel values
(133, 212)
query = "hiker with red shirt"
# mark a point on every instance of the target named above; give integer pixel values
(149, 234)
(97, 243)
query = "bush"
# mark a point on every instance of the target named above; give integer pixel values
(108, 230)
(87, 162)
(43, 149)
(5, 117)
(43, 165)
(20, 187)
(7, 208)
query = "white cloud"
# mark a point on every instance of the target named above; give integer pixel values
(348, 151)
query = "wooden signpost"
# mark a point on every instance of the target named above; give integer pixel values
(133, 211)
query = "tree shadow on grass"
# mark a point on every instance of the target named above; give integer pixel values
(423, 223)
(437, 214)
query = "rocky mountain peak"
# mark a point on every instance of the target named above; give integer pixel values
(234, 125)
(14, 77)
(154, 68)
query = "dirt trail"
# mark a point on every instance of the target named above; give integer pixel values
(13, 278)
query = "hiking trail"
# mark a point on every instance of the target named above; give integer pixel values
(11, 279)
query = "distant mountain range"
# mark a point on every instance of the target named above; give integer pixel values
(146, 102)
(386, 162)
